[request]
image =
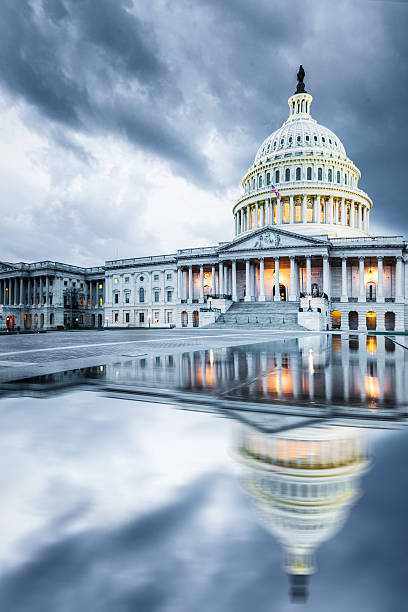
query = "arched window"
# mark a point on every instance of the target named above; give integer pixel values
(253, 183)
(307, 138)
(259, 181)
(298, 172)
(290, 139)
(338, 176)
(277, 176)
(299, 138)
(315, 138)
(345, 179)
(309, 174)
(141, 294)
(268, 178)
(287, 174)
(319, 174)
(330, 175)
(371, 292)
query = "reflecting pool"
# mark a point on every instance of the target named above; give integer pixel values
(117, 505)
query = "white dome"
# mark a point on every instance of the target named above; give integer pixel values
(299, 135)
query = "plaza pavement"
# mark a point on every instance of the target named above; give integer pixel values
(24, 356)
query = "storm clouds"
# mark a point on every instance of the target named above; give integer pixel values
(127, 126)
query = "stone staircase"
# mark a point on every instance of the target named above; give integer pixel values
(272, 315)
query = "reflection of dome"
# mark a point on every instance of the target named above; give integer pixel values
(303, 481)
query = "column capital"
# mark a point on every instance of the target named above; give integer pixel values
(380, 257)
(308, 256)
(276, 257)
(361, 257)
(292, 257)
(344, 257)
(399, 257)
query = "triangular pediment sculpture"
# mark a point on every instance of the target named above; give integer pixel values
(271, 238)
(6, 267)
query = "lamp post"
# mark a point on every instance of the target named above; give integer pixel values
(310, 309)
(210, 301)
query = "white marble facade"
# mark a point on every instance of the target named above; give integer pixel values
(301, 231)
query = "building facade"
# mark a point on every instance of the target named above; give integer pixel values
(301, 238)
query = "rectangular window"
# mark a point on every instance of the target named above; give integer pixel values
(89, 302)
(74, 284)
(100, 286)
(141, 317)
(298, 213)
(127, 298)
(100, 301)
(116, 317)
(116, 280)
(157, 296)
(156, 277)
(169, 317)
(127, 317)
(169, 276)
(156, 316)
(65, 283)
(82, 285)
(169, 296)
(116, 298)
(81, 301)
(126, 279)
(286, 213)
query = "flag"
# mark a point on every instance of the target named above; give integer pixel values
(274, 190)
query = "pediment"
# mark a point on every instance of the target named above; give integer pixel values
(271, 238)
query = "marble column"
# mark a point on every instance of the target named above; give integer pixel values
(304, 208)
(201, 283)
(28, 291)
(291, 209)
(317, 210)
(270, 206)
(308, 275)
(293, 292)
(261, 279)
(47, 290)
(190, 284)
(343, 212)
(380, 279)
(398, 280)
(226, 288)
(248, 218)
(361, 296)
(213, 284)
(15, 290)
(278, 212)
(344, 296)
(331, 203)
(247, 282)
(35, 291)
(263, 214)
(277, 297)
(326, 271)
(220, 278)
(234, 281)
(256, 224)
(21, 291)
(179, 277)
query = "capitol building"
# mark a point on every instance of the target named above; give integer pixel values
(301, 255)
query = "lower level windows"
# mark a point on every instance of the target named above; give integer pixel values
(141, 317)
(116, 317)
(127, 317)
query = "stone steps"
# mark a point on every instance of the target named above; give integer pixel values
(272, 315)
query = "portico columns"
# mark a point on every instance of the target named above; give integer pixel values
(278, 211)
(293, 292)
(308, 275)
(380, 279)
(201, 283)
(220, 278)
(35, 291)
(277, 297)
(15, 290)
(361, 296)
(261, 279)
(270, 212)
(190, 284)
(344, 297)
(179, 281)
(263, 214)
(234, 281)
(21, 291)
(343, 212)
(47, 290)
(256, 214)
(398, 280)
(331, 201)
(248, 217)
(28, 291)
(247, 282)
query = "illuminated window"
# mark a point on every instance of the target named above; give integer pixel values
(298, 212)
(116, 280)
(100, 286)
(309, 213)
(116, 317)
(100, 301)
(81, 301)
(89, 302)
(286, 212)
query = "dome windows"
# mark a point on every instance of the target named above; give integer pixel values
(307, 138)
(274, 145)
(299, 138)
(330, 175)
(287, 175)
(282, 141)
(268, 178)
(290, 139)
(259, 182)
(269, 146)
(298, 174)
(319, 174)
(323, 139)
(309, 174)
(315, 138)
(277, 176)
(338, 176)
(345, 179)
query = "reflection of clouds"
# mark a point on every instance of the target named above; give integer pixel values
(303, 480)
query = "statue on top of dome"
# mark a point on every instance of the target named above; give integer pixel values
(300, 76)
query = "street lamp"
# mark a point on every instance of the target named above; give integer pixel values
(310, 309)
(210, 301)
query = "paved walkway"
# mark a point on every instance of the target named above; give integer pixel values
(31, 355)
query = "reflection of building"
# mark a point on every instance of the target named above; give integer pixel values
(303, 482)
(306, 238)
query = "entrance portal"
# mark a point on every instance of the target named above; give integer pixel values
(196, 318)
(282, 291)
(336, 319)
(10, 322)
(371, 320)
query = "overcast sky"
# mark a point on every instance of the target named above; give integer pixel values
(126, 126)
